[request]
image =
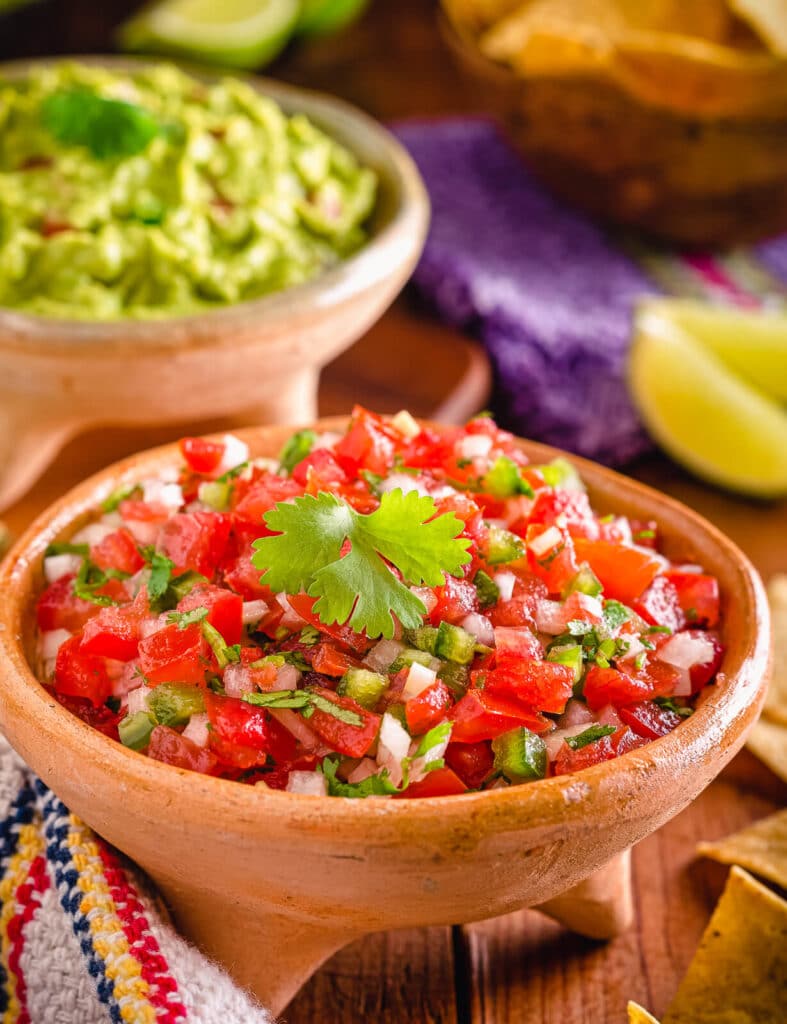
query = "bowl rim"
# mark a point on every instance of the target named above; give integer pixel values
(727, 710)
(340, 283)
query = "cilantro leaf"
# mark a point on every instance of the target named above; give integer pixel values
(437, 735)
(296, 449)
(113, 501)
(90, 579)
(595, 732)
(669, 705)
(615, 614)
(160, 573)
(224, 653)
(66, 548)
(109, 128)
(184, 619)
(372, 785)
(306, 701)
(358, 588)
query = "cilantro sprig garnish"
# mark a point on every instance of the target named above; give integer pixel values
(109, 128)
(358, 587)
(90, 579)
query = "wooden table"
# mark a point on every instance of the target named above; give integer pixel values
(520, 969)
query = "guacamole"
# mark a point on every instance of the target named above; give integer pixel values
(152, 194)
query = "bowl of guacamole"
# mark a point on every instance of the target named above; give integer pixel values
(150, 193)
(177, 247)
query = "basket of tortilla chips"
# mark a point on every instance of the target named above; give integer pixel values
(664, 114)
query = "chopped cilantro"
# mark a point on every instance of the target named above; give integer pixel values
(305, 701)
(486, 588)
(109, 128)
(66, 548)
(615, 614)
(659, 629)
(358, 588)
(160, 572)
(224, 654)
(595, 732)
(504, 479)
(309, 635)
(372, 785)
(439, 734)
(113, 501)
(184, 619)
(296, 450)
(644, 535)
(90, 579)
(669, 705)
(231, 474)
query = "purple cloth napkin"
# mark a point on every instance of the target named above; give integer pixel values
(547, 291)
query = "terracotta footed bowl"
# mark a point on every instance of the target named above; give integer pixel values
(272, 883)
(259, 359)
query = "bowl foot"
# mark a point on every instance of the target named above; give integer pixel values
(602, 906)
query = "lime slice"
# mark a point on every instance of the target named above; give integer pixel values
(706, 416)
(754, 345)
(242, 34)
(321, 17)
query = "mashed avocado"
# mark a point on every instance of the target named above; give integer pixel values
(152, 194)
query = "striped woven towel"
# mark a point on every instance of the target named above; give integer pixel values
(82, 939)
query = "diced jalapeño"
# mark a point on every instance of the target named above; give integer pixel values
(585, 582)
(174, 703)
(520, 755)
(486, 588)
(455, 644)
(571, 656)
(504, 546)
(424, 638)
(134, 730)
(363, 686)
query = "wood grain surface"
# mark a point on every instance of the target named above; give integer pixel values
(521, 969)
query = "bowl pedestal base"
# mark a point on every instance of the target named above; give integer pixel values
(274, 954)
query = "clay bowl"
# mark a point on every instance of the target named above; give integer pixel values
(256, 360)
(271, 883)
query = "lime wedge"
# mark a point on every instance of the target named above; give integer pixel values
(321, 17)
(753, 345)
(706, 416)
(243, 34)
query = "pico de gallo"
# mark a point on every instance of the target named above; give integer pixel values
(396, 611)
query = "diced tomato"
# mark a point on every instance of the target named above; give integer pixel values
(516, 643)
(456, 599)
(330, 661)
(240, 731)
(201, 455)
(626, 739)
(480, 715)
(81, 675)
(568, 760)
(428, 708)
(321, 470)
(573, 508)
(115, 632)
(195, 541)
(701, 673)
(170, 747)
(174, 655)
(542, 685)
(225, 610)
(431, 449)
(557, 566)
(352, 740)
(624, 572)
(242, 576)
(346, 637)
(133, 510)
(612, 686)
(578, 607)
(660, 606)
(368, 444)
(59, 608)
(282, 745)
(698, 595)
(645, 533)
(439, 782)
(101, 718)
(520, 610)
(117, 550)
(472, 762)
(649, 720)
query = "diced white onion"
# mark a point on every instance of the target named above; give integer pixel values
(550, 617)
(623, 528)
(405, 483)
(327, 439)
(392, 747)
(505, 584)
(576, 713)
(554, 740)
(137, 700)
(406, 425)
(159, 493)
(473, 446)
(480, 626)
(608, 716)
(418, 765)
(443, 491)
(236, 452)
(363, 770)
(294, 724)
(253, 611)
(383, 655)
(57, 566)
(93, 534)
(683, 685)
(150, 626)
(308, 783)
(665, 562)
(591, 605)
(517, 641)
(684, 650)
(428, 597)
(287, 677)
(549, 539)
(51, 642)
(291, 619)
(689, 567)
(143, 532)
(197, 729)
(418, 679)
(237, 679)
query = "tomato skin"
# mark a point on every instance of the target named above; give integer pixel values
(113, 633)
(428, 708)
(623, 571)
(480, 715)
(439, 782)
(225, 610)
(649, 720)
(59, 608)
(456, 599)
(612, 686)
(170, 747)
(354, 741)
(328, 660)
(201, 455)
(174, 655)
(195, 541)
(544, 685)
(698, 595)
(118, 550)
(660, 606)
(368, 444)
(101, 718)
(344, 636)
(572, 506)
(240, 730)
(472, 762)
(81, 675)
(320, 469)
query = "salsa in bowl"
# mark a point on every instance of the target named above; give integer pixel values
(390, 611)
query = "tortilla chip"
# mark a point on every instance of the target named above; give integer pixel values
(761, 849)
(768, 18)
(739, 973)
(768, 741)
(776, 701)
(638, 1015)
